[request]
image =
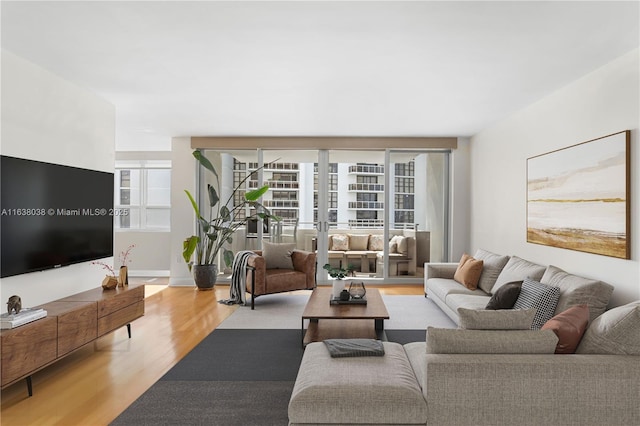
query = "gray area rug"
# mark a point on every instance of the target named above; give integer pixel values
(210, 403)
(243, 372)
(285, 311)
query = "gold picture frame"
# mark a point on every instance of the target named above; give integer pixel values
(578, 197)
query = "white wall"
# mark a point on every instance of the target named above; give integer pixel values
(603, 102)
(183, 176)
(46, 118)
(151, 255)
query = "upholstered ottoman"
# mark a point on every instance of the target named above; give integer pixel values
(380, 390)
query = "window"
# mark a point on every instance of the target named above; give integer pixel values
(142, 195)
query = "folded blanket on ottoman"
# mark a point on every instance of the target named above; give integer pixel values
(339, 348)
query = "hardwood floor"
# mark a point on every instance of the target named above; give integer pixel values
(96, 383)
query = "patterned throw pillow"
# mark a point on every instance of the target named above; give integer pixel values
(544, 298)
(376, 242)
(340, 242)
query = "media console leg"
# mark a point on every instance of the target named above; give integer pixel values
(29, 386)
(129, 330)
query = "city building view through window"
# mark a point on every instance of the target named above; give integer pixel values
(390, 206)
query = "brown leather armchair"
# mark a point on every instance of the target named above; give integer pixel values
(261, 281)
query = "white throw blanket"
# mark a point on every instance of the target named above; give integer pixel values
(238, 288)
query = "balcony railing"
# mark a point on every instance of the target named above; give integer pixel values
(281, 203)
(367, 169)
(276, 184)
(366, 187)
(366, 205)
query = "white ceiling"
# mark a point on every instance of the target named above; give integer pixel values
(316, 68)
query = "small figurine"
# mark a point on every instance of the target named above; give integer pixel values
(14, 304)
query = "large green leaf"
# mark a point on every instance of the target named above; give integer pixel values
(256, 193)
(193, 203)
(228, 256)
(205, 162)
(213, 196)
(225, 214)
(188, 247)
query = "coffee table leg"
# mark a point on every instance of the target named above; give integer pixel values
(379, 326)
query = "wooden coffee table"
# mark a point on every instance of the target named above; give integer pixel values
(328, 321)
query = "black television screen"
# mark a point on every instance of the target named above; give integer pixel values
(53, 215)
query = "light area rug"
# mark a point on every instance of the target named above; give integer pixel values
(284, 311)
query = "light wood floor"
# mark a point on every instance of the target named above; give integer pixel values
(95, 384)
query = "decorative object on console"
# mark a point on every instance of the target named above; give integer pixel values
(578, 197)
(357, 289)
(110, 281)
(124, 269)
(14, 304)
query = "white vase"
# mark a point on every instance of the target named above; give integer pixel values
(338, 286)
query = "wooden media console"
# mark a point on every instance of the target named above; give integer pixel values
(71, 323)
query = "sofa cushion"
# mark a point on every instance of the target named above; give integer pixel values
(505, 319)
(468, 272)
(575, 290)
(459, 341)
(367, 390)
(376, 242)
(492, 266)
(443, 287)
(339, 242)
(505, 297)
(358, 242)
(569, 326)
(615, 332)
(518, 269)
(468, 301)
(402, 245)
(278, 256)
(542, 297)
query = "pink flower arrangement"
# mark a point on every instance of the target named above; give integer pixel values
(105, 267)
(124, 255)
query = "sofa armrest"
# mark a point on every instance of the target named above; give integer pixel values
(532, 389)
(260, 265)
(440, 270)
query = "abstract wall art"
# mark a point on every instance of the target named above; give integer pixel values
(578, 197)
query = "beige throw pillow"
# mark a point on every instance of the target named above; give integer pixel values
(468, 272)
(278, 256)
(358, 242)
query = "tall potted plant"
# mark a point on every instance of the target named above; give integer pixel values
(201, 251)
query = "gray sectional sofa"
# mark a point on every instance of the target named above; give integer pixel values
(476, 376)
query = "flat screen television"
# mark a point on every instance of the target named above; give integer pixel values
(52, 215)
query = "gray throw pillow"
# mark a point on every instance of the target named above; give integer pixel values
(458, 341)
(576, 290)
(505, 297)
(542, 297)
(518, 269)
(616, 332)
(278, 256)
(491, 268)
(506, 319)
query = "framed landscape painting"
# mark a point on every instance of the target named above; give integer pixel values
(578, 197)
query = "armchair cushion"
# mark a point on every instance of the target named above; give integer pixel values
(278, 256)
